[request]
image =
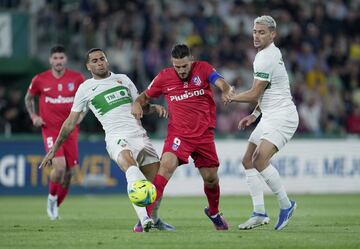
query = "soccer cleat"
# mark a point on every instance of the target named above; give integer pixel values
(219, 221)
(52, 208)
(256, 219)
(138, 228)
(285, 215)
(161, 225)
(147, 224)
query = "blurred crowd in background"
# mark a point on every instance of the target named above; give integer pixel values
(319, 40)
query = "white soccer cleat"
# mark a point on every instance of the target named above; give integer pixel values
(256, 219)
(52, 208)
(147, 223)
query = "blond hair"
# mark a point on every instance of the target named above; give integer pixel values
(266, 20)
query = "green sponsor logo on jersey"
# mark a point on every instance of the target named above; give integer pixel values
(262, 75)
(111, 98)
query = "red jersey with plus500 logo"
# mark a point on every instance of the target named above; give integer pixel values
(190, 103)
(56, 96)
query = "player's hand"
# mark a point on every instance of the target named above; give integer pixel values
(37, 121)
(245, 122)
(163, 113)
(227, 97)
(47, 161)
(137, 110)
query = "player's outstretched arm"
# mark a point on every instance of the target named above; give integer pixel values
(226, 89)
(82, 116)
(67, 127)
(253, 94)
(137, 107)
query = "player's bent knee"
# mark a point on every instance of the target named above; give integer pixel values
(211, 179)
(211, 182)
(166, 170)
(259, 162)
(168, 165)
(125, 160)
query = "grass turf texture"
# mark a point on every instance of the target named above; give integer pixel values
(320, 221)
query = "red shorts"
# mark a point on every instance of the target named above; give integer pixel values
(201, 149)
(69, 149)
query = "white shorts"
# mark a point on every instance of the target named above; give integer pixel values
(141, 147)
(278, 129)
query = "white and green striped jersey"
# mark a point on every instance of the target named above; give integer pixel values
(269, 66)
(110, 100)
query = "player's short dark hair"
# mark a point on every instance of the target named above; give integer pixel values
(92, 50)
(180, 51)
(57, 49)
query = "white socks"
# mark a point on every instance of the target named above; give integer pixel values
(132, 174)
(52, 197)
(272, 178)
(256, 190)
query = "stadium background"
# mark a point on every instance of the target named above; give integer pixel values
(320, 42)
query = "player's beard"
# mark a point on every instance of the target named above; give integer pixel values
(186, 76)
(59, 68)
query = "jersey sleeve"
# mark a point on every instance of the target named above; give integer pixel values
(80, 101)
(133, 90)
(263, 68)
(154, 90)
(211, 74)
(34, 87)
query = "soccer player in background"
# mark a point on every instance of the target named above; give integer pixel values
(192, 111)
(56, 89)
(110, 96)
(278, 124)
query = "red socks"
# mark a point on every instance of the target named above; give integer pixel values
(213, 196)
(160, 183)
(62, 192)
(53, 187)
(58, 190)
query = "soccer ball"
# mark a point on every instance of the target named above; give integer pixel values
(142, 193)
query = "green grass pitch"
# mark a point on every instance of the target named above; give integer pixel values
(320, 221)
